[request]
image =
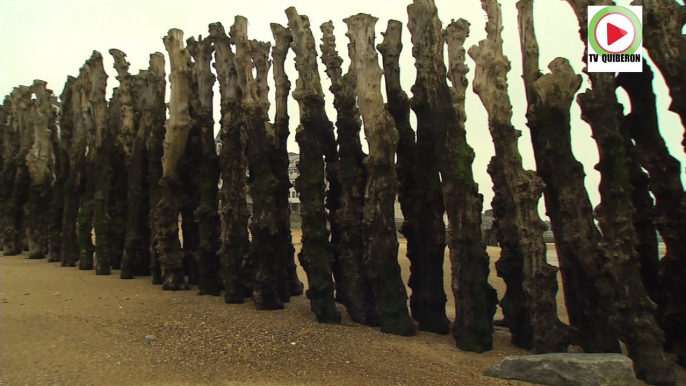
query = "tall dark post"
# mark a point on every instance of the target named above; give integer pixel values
(233, 163)
(260, 137)
(550, 97)
(420, 193)
(632, 312)
(353, 287)
(289, 284)
(475, 299)
(316, 255)
(178, 126)
(381, 246)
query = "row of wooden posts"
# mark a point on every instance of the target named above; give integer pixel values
(120, 169)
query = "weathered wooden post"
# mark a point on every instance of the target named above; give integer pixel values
(381, 247)
(619, 280)
(207, 213)
(178, 126)
(287, 272)
(420, 192)
(260, 142)
(41, 166)
(549, 99)
(475, 299)
(517, 191)
(233, 163)
(353, 287)
(316, 256)
(669, 214)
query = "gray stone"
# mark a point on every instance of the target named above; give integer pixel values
(149, 338)
(567, 369)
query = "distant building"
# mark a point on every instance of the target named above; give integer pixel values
(487, 219)
(548, 234)
(218, 141)
(293, 173)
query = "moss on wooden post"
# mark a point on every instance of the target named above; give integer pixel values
(316, 256)
(131, 146)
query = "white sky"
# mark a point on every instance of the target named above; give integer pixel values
(48, 40)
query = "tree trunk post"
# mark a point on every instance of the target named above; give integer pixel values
(316, 255)
(8, 145)
(40, 161)
(233, 163)
(130, 148)
(642, 201)
(420, 193)
(207, 214)
(381, 248)
(61, 167)
(518, 189)
(353, 287)
(282, 42)
(121, 130)
(190, 183)
(69, 252)
(22, 194)
(475, 299)
(663, 22)
(178, 127)
(260, 140)
(155, 110)
(83, 151)
(549, 99)
(259, 53)
(102, 170)
(670, 207)
(68, 141)
(620, 281)
(20, 100)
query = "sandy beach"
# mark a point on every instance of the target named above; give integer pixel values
(61, 326)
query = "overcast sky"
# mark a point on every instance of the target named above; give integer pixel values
(48, 40)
